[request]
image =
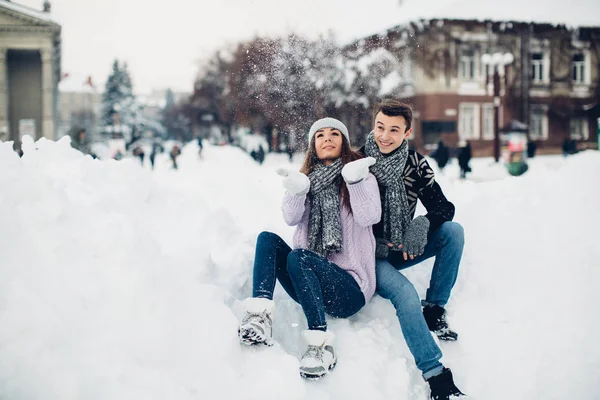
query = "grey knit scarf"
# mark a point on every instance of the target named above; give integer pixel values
(324, 225)
(389, 171)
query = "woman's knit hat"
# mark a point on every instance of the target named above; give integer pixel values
(328, 123)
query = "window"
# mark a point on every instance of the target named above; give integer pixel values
(467, 64)
(579, 129)
(579, 68)
(487, 120)
(438, 126)
(488, 72)
(537, 67)
(431, 130)
(468, 121)
(538, 124)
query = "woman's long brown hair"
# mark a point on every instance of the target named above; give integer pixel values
(348, 154)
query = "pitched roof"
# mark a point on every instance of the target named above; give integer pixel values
(572, 13)
(29, 12)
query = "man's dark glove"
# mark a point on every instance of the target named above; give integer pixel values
(415, 237)
(381, 249)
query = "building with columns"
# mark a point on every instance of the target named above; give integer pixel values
(30, 60)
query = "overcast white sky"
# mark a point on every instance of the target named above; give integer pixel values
(163, 40)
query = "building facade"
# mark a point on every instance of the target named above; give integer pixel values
(551, 83)
(30, 60)
(79, 106)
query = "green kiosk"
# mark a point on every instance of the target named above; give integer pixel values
(513, 138)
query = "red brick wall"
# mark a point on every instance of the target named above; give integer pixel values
(432, 107)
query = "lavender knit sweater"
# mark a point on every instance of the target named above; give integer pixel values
(358, 243)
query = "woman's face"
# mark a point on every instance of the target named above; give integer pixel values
(328, 144)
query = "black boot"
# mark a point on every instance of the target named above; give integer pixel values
(443, 388)
(435, 316)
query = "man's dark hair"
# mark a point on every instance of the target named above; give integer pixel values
(394, 108)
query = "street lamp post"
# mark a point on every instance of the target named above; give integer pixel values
(495, 61)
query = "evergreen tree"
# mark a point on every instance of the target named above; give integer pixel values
(169, 99)
(118, 97)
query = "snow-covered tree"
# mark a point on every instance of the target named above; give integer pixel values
(120, 110)
(284, 84)
(169, 99)
(214, 101)
(175, 118)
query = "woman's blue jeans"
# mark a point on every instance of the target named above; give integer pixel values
(316, 283)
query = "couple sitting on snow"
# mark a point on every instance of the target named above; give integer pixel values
(354, 231)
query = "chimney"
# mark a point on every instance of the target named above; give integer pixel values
(47, 6)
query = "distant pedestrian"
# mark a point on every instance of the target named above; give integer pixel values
(260, 155)
(156, 149)
(441, 155)
(80, 142)
(565, 147)
(139, 153)
(175, 152)
(531, 148)
(464, 157)
(200, 146)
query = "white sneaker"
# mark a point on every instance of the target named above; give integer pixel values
(257, 324)
(319, 357)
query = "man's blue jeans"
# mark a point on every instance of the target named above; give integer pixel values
(319, 285)
(446, 244)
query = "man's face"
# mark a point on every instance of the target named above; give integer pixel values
(390, 132)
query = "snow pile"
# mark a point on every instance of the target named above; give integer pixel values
(121, 283)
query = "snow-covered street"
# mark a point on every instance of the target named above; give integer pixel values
(118, 282)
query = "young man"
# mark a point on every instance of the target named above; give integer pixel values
(404, 176)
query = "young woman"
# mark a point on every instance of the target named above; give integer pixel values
(333, 202)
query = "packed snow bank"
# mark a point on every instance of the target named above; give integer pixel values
(121, 283)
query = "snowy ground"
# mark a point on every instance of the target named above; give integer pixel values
(121, 283)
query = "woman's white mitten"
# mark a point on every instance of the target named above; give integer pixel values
(294, 182)
(357, 170)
